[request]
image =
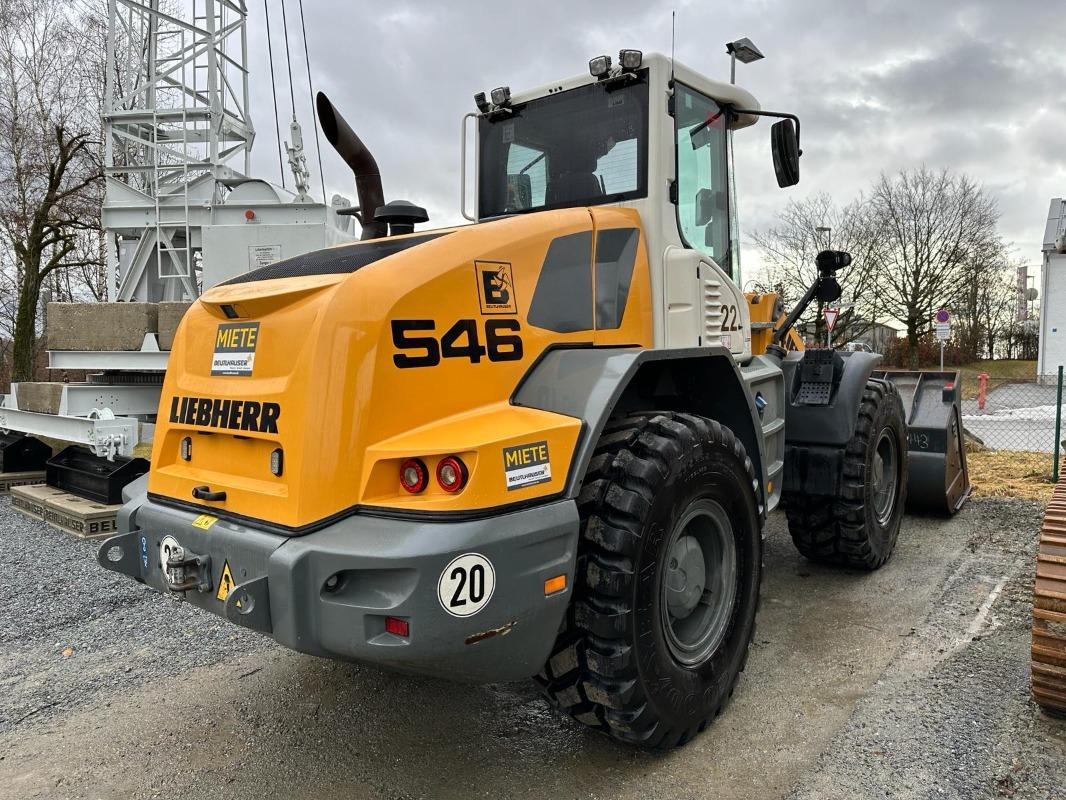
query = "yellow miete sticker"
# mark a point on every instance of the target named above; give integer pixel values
(204, 521)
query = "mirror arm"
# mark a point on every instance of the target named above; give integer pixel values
(776, 114)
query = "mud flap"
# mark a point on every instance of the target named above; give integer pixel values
(937, 479)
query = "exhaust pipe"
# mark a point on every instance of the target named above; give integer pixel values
(356, 155)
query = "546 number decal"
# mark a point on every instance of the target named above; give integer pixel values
(419, 346)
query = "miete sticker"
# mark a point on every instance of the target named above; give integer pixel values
(466, 585)
(526, 465)
(204, 521)
(225, 583)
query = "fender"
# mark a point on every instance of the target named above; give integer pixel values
(594, 383)
(833, 424)
(816, 435)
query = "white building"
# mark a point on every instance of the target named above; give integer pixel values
(1053, 291)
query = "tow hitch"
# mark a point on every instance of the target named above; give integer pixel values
(184, 570)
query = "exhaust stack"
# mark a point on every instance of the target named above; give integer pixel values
(365, 169)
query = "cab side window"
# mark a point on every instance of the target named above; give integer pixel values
(702, 130)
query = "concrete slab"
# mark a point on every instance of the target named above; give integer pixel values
(29, 499)
(9, 480)
(100, 326)
(170, 315)
(43, 397)
(79, 517)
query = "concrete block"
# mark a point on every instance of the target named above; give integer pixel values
(29, 500)
(40, 396)
(79, 517)
(9, 480)
(170, 314)
(100, 326)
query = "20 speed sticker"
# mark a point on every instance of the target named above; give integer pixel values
(466, 585)
(526, 465)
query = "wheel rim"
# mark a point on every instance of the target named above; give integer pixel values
(884, 476)
(699, 583)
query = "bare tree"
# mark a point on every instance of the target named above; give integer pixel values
(933, 224)
(985, 306)
(789, 249)
(49, 156)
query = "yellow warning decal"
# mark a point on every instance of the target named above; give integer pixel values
(204, 521)
(225, 583)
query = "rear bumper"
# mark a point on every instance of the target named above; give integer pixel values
(384, 568)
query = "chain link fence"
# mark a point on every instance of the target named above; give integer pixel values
(1023, 416)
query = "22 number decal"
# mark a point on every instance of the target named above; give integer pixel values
(730, 318)
(461, 340)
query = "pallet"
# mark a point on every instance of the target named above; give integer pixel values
(10, 479)
(85, 519)
(29, 499)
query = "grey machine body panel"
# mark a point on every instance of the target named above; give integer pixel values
(592, 384)
(384, 567)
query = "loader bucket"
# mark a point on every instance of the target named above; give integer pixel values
(937, 478)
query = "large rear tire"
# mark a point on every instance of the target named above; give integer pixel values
(667, 583)
(860, 527)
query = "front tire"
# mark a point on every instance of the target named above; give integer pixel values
(667, 584)
(860, 527)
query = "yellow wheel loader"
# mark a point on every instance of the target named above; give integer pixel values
(540, 445)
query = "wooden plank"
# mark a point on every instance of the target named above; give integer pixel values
(29, 499)
(10, 479)
(85, 519)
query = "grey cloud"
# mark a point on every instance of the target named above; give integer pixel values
(880, 85)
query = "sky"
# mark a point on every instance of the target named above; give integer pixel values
(880, 86)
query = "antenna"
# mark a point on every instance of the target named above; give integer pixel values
(673, 36)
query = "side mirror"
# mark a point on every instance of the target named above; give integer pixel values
(785, 148)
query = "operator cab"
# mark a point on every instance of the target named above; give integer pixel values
(598, 139)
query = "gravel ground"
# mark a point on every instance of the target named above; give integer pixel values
(908, 682)
(70, 630)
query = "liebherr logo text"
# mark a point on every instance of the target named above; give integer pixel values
(237, 415)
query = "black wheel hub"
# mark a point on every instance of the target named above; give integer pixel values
(699, 583)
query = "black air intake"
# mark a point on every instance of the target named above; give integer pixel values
(365, 169)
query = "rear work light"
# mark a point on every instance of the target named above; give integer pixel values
(414, 477)
(186, 449)
(277, 461)
(451, 474)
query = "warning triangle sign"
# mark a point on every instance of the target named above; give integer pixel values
(831, 315)
(225, 583)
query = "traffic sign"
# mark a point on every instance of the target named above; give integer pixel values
(943, 316)
(943, 331)
(831, 315)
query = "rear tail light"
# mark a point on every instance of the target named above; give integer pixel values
(397, 626)
(414, 477)
(451, 474)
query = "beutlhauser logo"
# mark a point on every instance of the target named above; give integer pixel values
(495, 287)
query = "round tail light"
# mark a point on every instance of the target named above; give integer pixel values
(414, 477)
(451, 474)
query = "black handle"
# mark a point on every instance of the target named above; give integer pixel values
(205, 493)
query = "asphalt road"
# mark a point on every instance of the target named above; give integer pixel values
(910, 682)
